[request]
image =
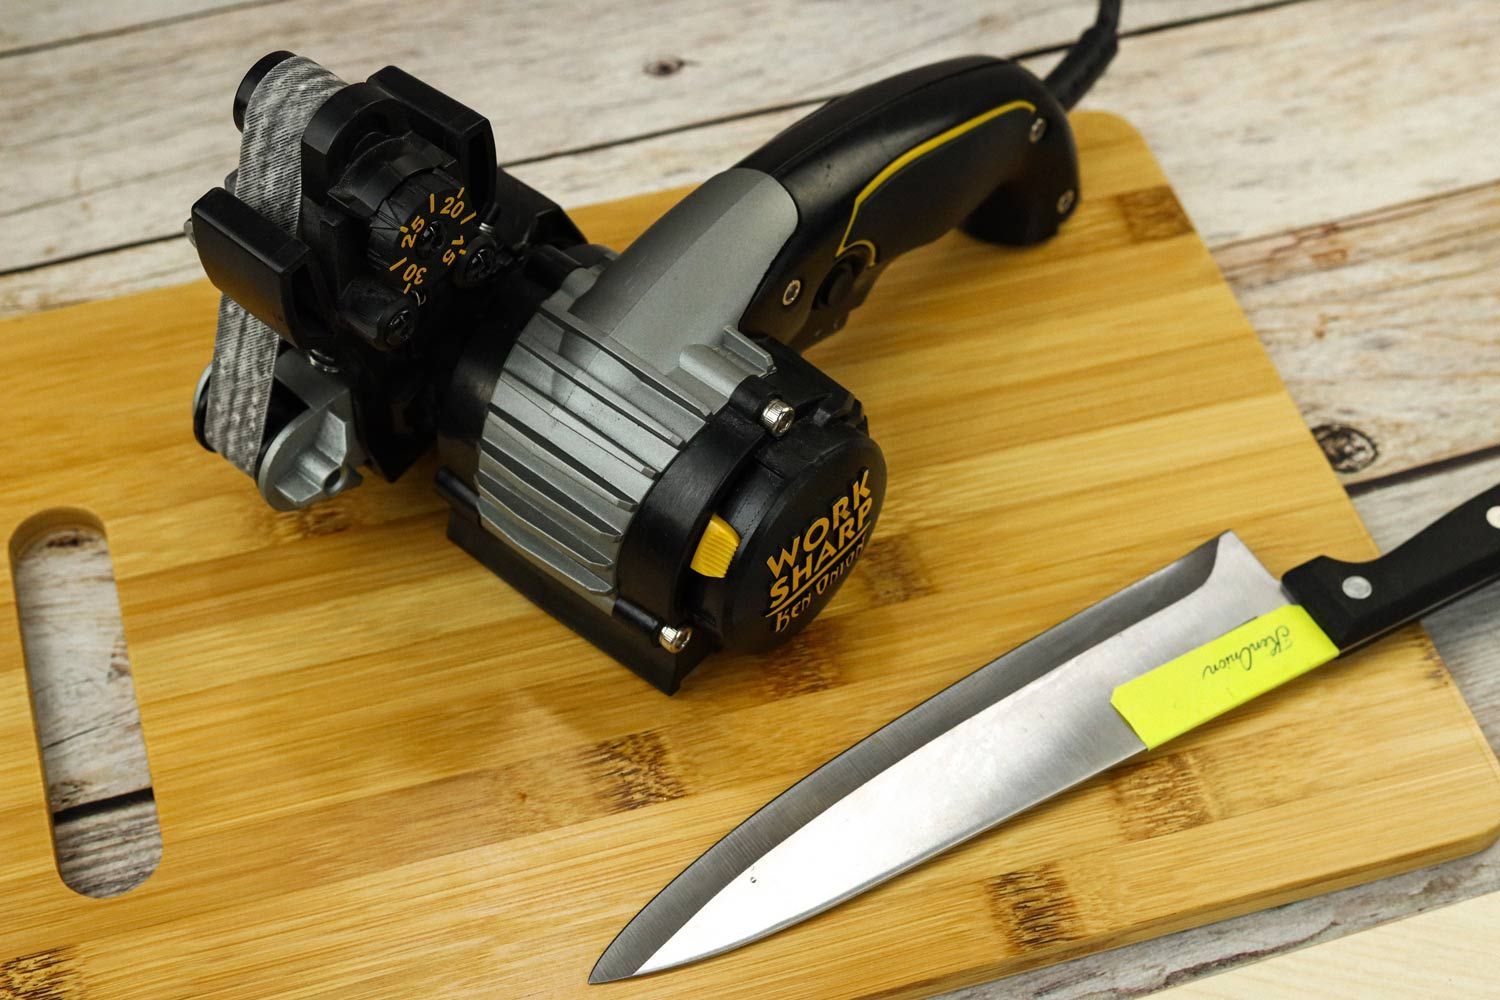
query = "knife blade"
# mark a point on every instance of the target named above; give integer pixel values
(1179, 647)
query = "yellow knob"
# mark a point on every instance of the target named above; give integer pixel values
(716, 548)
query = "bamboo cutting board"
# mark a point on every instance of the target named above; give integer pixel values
(381, 772)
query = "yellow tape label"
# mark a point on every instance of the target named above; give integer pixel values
(1264, 653)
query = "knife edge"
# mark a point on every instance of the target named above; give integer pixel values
(634, 949)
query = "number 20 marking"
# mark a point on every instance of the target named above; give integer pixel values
(453, 205)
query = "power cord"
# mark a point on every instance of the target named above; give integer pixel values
(1086, 61)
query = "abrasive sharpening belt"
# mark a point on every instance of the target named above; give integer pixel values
(270, 181)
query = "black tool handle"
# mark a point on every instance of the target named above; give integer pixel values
(1356, 603)
(977, 141)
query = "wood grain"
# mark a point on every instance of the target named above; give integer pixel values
(120, 139)
(101, 275)
(1260, 120)
(70, 624)
(1409, 270)
(133, 169)
(1384, 327)
(1397, 43)
(332, 749)
(88, 727)
(34, 26)
(1460, 941)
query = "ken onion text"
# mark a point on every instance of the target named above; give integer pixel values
(822, 553)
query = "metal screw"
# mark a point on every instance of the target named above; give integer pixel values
(482, 264)
(1358, 588)
(427, 239)
(674, 638)
(777, 416)
(1038, 129)
(398, 328)
(321, 361)
(1066, 201)
(793, 289)
(1493, 516)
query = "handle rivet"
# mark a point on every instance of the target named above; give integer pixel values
(1038, 129)
(1357, 588)
(793, 289)
(1066, 201)
(1493, 516)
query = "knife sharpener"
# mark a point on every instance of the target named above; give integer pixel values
(633, 440)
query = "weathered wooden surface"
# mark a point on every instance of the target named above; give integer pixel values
(124, 164)
(1320, 112)
(1256, 153)
(1387, 327)
(31, 27)
(1457, 942)
(98, 783)
(326, 741)
(1251, 154)
(70, 622)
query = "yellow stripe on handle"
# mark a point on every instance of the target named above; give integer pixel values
(1264, 653)
(916, 153)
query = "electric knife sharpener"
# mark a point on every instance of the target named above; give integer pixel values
(633, 440)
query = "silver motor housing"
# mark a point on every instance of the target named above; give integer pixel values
(618, 370)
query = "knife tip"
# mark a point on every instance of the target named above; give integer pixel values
(610, 969)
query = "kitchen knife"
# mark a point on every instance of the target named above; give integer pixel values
(1178, 648)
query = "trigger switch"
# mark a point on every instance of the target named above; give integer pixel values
(837, 286)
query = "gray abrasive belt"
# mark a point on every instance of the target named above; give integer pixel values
(270, 181)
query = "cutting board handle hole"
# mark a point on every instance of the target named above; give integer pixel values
(106, 837)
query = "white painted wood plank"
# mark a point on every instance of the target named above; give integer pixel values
(1448, 952)
(105, 831)
(31, 25)
(101, 276)
(1277, 120)
(108, 852)
(109, 142)
(78, 669)
(1385, 327)
(1263, 122)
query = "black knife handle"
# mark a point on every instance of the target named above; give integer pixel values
(1455, 555)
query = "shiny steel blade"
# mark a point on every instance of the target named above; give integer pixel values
(1014, 733)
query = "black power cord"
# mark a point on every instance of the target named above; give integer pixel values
(1086, 61)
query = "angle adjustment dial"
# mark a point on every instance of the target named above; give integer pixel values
(423, 234)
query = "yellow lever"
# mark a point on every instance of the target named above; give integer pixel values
(716, 548)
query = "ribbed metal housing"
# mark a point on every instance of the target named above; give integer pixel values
(580, 426)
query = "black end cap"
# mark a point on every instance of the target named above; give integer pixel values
(252, 79)
(804, 513)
